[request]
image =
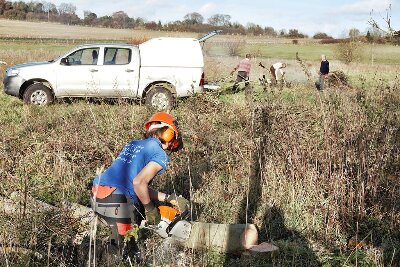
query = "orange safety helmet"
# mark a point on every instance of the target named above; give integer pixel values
(172, 134)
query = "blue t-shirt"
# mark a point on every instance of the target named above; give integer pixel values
(132, 159)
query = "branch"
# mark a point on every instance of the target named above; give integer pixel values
(389, 31)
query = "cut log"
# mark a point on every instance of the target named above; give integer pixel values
(19, 203)
(226, 238)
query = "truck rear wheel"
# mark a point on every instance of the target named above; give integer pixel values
(38, 94)
(160, 98)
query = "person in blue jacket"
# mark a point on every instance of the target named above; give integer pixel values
(323, 72)
(119, 193)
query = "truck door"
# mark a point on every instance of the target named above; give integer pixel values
(119, 72)
(77, 74)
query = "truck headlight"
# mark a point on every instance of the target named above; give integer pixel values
(12, 72)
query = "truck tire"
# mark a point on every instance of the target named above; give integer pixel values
(160, 98)
(38, 94)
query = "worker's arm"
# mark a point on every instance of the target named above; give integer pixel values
(155, 195)
(142, 180)
(233, 71)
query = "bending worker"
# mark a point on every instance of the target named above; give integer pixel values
(275, 69)
(120, 191)
(243, 69)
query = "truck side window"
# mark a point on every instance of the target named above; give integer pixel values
(87, 56)
(117, 56)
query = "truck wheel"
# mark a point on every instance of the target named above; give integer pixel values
(38, 94)
(160, 99)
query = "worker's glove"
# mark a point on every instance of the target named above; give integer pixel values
(178, 201)
(152, 213)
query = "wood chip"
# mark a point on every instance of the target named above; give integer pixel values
(263, 247)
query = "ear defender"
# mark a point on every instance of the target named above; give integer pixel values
(168, 135)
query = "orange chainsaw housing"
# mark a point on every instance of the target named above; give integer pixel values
(167, 213)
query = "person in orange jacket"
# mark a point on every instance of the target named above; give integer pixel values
(120, 192)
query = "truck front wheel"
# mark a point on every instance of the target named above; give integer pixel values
(38, 94)
(160, 98)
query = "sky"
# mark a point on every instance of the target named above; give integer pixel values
(334, 17)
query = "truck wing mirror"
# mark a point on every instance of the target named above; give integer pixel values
(64, 61)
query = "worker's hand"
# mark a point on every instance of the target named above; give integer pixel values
(232, 72)
(178, 201)
(152, 213)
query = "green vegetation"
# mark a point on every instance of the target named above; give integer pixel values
(319, 167)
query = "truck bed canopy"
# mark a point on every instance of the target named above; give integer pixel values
(171, 52)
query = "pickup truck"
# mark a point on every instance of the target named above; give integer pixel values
(156, 72)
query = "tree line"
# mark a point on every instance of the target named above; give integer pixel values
(194, 22)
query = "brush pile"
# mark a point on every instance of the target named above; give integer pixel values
(338, 79)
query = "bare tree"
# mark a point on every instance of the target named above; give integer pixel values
(270, 31)
(121, 20)
(67, 8)
(49, 7)
(2, 6)
(254, 29)
(219, 20)
(354, 33)
(89, 18)
(321, 35)
(387, 29)
(193, 18)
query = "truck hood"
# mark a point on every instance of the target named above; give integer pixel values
(28, 64)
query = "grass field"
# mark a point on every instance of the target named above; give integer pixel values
(311, 169)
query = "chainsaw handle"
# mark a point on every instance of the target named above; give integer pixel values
(143, 224)
(178, 218)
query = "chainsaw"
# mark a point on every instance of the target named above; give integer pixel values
(172, 224)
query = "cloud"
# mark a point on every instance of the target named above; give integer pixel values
(207, 8)
(366, 6)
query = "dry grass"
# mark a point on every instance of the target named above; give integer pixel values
(24, 29)
(324, 164)
(319, 167)
(235, 47)
(138, 40)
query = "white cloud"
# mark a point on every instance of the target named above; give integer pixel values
(208, 8)
(366, 6)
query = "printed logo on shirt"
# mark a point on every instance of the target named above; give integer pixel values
(129, 153)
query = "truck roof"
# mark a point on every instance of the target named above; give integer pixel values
(107, 44)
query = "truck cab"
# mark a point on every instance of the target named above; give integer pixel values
(103, 70)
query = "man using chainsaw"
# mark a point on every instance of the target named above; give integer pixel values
(119, 192)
